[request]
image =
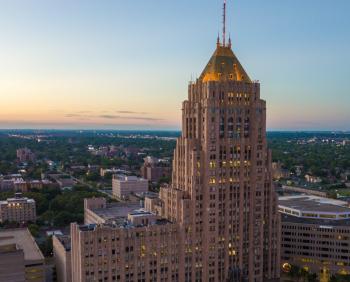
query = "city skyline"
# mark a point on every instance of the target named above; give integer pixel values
(84, 65)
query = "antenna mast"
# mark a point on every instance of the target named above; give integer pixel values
(224, 24)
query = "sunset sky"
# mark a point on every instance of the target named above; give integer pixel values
(116, 64)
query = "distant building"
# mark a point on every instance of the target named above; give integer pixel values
(13, 183)
(279, 172)
(312, 179)
(20, 258)
(35, 184)
(64, 181)
(298, 170)
(315, 234)
(302, 190)
(62, 256)
(345, 176)
(25, 155)
(105, 171)
(7, 185)
(131, 151)
(18, 209)
(20, 185)
(123, 185)
(346, 142)
(153, 169)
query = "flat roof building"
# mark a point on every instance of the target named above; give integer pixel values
(123, 185)
(20, 257)
(314, 207)
(126, 243)
(315, 235)
(96, 210)
(18, 209)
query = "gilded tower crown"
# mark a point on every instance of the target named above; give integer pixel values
(224, 65)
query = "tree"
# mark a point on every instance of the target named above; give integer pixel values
(34, 230)
(46, 246)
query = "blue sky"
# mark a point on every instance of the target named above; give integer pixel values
(126, 64)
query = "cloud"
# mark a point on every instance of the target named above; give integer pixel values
(129, 117)
(131, 112)
(72, 115)
(110, 117)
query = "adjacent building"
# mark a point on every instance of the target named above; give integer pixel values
(124, 242)
(20, 258)
(315, 234)
(123, 186)
(62, 255)
(18, 209)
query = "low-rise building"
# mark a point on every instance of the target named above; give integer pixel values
(18, 209)
(123, 185)
(7, 185)
(20, 258)
(127, 243)
(25, 155)
(315, 234)
(62, 255)
(64, 181)
(35, 184)
(312, 179)
(154, 169)
(20, 185)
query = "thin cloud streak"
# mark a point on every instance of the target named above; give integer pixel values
(131, 112)
(114, 117)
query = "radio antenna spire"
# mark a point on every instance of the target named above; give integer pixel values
(224, 25)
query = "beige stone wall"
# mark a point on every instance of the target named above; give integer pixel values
(62, 261)
(125, 254)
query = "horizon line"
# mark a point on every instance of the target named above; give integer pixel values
(168, 130)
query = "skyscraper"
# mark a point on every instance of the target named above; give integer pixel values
(222, 194)
(218, 220)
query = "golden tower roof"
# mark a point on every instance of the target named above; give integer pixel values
(223, 66)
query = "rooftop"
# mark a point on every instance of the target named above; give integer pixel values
(323, 223)
(126, 178)
(17, 200)
(65, 240)
(24, 240)
(122, 214)
(116, 211)
(308, 206)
